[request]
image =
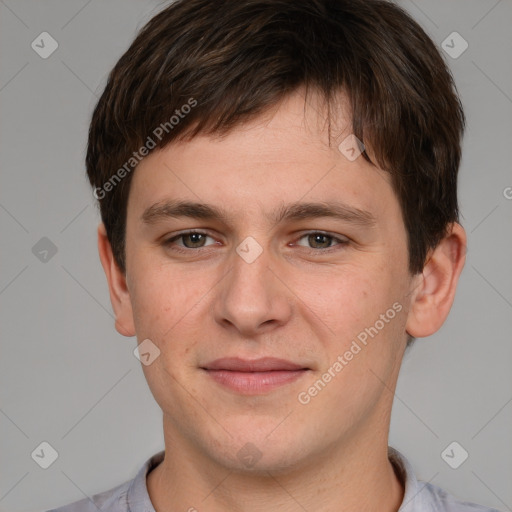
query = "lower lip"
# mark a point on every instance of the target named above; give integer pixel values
(254, 383)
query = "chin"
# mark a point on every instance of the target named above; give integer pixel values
(256, 461)
(261, 451)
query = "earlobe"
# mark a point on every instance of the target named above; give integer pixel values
(116, 279)
(433, 291)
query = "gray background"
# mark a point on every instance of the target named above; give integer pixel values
(69, 379)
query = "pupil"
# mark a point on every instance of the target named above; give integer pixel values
(195, 238)
(318, 239)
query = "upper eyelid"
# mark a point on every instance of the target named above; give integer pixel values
(185, 233)
(188, 232)
(326, 233)
(339, 238)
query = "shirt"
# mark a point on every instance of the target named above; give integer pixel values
(132, 496)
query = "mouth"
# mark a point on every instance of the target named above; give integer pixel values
(254, 377)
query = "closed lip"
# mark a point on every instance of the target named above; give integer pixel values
(263, 364)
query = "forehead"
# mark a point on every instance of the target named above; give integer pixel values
(284, 156)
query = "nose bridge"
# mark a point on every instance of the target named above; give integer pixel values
(251, 295)
(251, 262)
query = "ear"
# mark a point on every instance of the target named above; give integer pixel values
(119, 294)
(434, 289)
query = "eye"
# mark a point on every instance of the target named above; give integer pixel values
(189, 239)
(316, 241)
(319, 240)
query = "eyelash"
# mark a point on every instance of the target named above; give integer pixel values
(184, 250)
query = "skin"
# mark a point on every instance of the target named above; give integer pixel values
(303, 299)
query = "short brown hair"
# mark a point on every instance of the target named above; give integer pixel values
(237, 58)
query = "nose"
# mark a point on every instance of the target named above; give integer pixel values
(252, 298)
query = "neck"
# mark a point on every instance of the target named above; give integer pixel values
(346, 478)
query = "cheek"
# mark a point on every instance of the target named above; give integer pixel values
(159, 299)
(169, 308)
(343, 299)
(344, 308)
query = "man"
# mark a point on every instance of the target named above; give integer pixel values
(277, 183)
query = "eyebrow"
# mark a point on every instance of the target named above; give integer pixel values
(291, 212)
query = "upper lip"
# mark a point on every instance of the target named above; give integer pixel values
(263, 364)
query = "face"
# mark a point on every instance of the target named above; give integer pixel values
(281, 319)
